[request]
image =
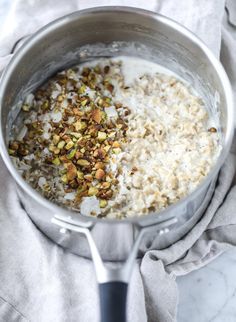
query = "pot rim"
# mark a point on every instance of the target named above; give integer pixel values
(143, 220)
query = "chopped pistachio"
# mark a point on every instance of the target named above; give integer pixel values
(100, 102)
(69, 145)
(55, 139)
(35, 125)
(64, 178)
(106, 185)
(84, 102)
(71, 154)
(100, 153)
(79, 126)
(74, 139)
(71, 171)
(116, 144)
(60, 98)
(97, 69)
(100, 173)
(80, 191)
(14, 145)
(108, 100)
(25, 107)
(83, 163)
(56, 151)
(12, 152)
(80, 175)
(73, 184)
(61, 145)
(82, 140)
(76, 134)
(51, 147)
(82, 89)
(99, 165)
(102, 136)
(97, 115)
(102, 203)
(56, 161)
(92, 191)
(104, 116)
(111, 134)
(108, 179)
(45, 105)
(107, 148)
(116, 150)
(88, 177)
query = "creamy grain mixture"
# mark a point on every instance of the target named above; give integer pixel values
(103, 141)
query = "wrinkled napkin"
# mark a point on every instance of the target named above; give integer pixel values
(41, 282)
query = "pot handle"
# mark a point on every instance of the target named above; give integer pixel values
(113, 297)
(113, 282)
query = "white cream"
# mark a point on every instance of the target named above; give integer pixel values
(134, 68)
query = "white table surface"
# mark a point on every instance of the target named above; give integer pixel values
(209, 294)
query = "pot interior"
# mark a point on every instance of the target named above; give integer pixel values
(91, 34)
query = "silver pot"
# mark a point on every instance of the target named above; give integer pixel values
(111, 31)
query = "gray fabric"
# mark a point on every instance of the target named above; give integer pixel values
(41, 282)
(231, 10)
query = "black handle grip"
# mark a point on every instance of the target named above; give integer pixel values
(113, 297)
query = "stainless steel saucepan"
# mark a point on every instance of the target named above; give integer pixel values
(107, 32)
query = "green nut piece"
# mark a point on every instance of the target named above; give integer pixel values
(71, 154)
(25, 107)
(69, 145)
(79, 126)
(45, 105)
(116, 150)
(82, 89)
(102, 203)
(92, 191)
(55, 139)
(102, 136)
(83, 163)
(61, 145)
(56, 161)
(64, 178)
(84, 102)
(80, 175)
(12, 152)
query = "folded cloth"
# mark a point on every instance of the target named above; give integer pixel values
(40, 281)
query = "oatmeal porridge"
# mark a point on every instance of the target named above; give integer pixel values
(107, 142)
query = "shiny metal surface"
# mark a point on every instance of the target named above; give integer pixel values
(122, 272)
(154, 37)
(114, 240)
